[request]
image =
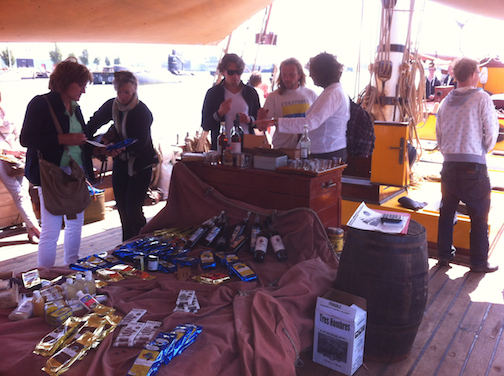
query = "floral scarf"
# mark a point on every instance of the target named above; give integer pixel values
(120, 125)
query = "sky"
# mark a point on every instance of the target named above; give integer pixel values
(306, 28)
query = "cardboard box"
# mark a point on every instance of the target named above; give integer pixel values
(291, 153)
(251, 141)
(269, 162)
(9, 298)
(340, 327)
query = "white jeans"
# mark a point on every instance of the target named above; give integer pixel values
(51, 227)
(18, 188)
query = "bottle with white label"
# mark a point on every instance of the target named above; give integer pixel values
(261, 246)
(86, 300)
(305, 144)
(276, 242)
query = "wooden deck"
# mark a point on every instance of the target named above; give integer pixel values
(461, 332)
(18, 255)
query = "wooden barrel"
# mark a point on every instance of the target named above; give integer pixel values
(391, 272)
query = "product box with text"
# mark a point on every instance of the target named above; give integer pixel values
(340, 328)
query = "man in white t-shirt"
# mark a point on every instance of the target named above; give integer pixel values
(291, 99)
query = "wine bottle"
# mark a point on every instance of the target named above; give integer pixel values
(235, 137)
(221, 243)
(276, 242)
(261, 245)
(254, 232)
(219, 225)
(222, 141)
(305, 144)
(239, 228)
(240, 131)
(200, 232)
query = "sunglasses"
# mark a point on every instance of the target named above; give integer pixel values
(232, 72)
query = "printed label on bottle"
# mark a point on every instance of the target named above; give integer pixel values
(277, 243)
(236, 231)
(304, 153)
(196, 235)
(253, 237)
(212, 234)
(261, 244)
(236, 147)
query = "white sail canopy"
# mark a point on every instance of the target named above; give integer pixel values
(150, 21)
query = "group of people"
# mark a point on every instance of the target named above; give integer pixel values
(288, 109)
(431, 81)
(132, 167)
(467, 129)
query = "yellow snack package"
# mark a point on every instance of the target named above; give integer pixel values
(53, 341)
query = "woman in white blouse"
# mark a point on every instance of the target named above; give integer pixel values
(327, 117)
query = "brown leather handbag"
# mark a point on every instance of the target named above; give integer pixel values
(63, 194)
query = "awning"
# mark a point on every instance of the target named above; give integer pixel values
(150, 21)
(124, 21)
(486, 8)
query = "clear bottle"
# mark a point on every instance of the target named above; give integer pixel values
(305, 144)
(38, 304)
(276, 242)
(254, 233)
(217, 228)
(89, 283)
(239, 228)
(222, 141)
(79, 283)
(200, 232)
(70, 288)
(261, 246)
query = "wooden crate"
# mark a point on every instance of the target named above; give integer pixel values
(278, 190)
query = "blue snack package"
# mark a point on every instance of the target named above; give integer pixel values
(243, 271)
(184, 336)
(122, 144)
(207, 260)
(221, 257)
(152, 356)
(166, 266)
(186, 261)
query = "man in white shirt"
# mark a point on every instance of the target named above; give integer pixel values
(291, 99)
(327, 117)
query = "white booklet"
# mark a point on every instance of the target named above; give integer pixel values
(97, 144)
(365, 218)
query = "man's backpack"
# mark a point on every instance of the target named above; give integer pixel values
(360, 132)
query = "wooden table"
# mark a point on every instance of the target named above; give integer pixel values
(282, 190)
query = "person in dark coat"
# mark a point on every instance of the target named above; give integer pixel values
(228, 98)
(67, 83)
(132, 169)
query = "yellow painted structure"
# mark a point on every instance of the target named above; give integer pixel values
(390, 156)
(427, 131)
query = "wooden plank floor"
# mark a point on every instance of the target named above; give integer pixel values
(461, 332)
(18, 255)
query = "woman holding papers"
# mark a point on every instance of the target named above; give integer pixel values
(132, 169)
